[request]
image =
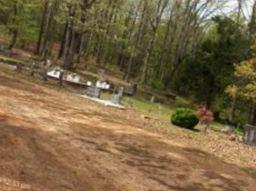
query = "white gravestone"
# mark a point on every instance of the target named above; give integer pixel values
(54, 74)
(102, 85)
(73, 78)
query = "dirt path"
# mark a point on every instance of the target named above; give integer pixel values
(53, 141)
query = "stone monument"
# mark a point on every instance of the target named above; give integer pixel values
(250, 134)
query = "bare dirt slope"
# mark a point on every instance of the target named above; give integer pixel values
(52, 140)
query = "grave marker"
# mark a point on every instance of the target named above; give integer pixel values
(116, 98)
(250, 134)
(93, 92)
(73, 78)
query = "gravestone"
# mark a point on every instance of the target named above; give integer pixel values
(132, 90)
(54, 74)
(73, 78)
(93, 92)
(116, 98)
(102, 85)
(250, 134)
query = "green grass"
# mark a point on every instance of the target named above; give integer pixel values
(146, 107)
(151, 109)
(163, 111)
(159, 109)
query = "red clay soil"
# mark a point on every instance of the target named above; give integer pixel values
(54, 141)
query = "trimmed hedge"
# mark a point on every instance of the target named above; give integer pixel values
(184, 117)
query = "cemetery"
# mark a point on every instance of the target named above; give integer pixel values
(133, 95)
(93, 89)
(107, 119)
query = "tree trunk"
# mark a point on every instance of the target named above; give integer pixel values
(46, 27)
(14, 30)
(63, 41)
(252, 23)
(233, 110)
(76, 37)
(162, 4)
(69, 59)
(138, 38)
(14, 38)
(80, 48)
(146, 61)
(129, 69)
(50, 28)
(252, 116)
(160, 67)
(67, 41)
(120, 60)
(42, 28)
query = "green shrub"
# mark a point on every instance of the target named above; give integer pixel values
(156, 84)
(185, 118)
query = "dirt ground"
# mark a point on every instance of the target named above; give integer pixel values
(51, 140)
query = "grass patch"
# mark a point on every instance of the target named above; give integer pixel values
(145, 107)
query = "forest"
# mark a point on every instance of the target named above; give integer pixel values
(200, 49)
(128, 95)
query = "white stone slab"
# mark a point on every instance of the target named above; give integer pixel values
(102, 85)
(103, 102)
(54, 74)
(73, 78)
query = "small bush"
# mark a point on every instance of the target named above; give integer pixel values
(185, 118)
(156, 84)
(205, 116)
